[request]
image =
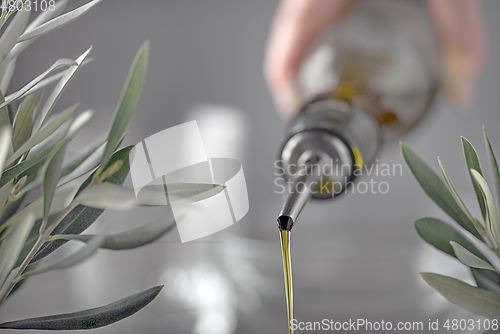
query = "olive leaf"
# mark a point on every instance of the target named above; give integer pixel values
(43, 134)
(487, 280)
(494, 166)
(435, 188)
(131, 239)
(12, 245)
(490, 204)
(57, 22)
(439, 234)
(474, 299)
(56, 93)
(23, 122)
(193, 192)
(92, 318)
(52, 173)
(74, 259)
(82, 217)
(40, 19)
(127, 103)
(22, 167)
(13, 31)
(107, 195)
(472, 162)
(28, 87)
(469, 259)
(454, 193)
(5, 134)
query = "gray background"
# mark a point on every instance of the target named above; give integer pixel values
(356, 257)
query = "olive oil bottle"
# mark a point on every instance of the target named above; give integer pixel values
(369, 80)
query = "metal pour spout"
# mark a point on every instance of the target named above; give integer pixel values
(299, 192)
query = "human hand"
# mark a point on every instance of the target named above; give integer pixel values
(299, 23)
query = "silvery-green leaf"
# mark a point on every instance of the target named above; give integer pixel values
(56, 93)
(23, 123)
(4, 194)
(128, 101)
(476, 300)
(193, 192)
(131, 239)
(435, 188)
(21, 167)
(13, 31)
(81, 217)
(79, 122)
(75, 258)
(5, 134)
(40, 19)
(490, 204)
(454, 193)
(440, 234)
(7, 75)
(59, 203)
(469, 259)
(28, 87)
(92, 318)
(12, 245)
(43, 134)
(4, 113)
(107, 195)
(52, 174)
(494, 167)
(472, 161)
(486, 281)
(57, 22)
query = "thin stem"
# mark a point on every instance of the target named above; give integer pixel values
(34, 250)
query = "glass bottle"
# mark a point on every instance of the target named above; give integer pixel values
(369, 80)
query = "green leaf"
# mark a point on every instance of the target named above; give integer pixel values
(12, 245)
(58, 22)
(52, 174)
(39, 20)
(472, 161)
(81, 217)
(469, 259)
(74, 259)
(128, 101)
(487, 280)
(13, 31)
(43, 134)
(21, 167)
(494, 166)
(56, 93)
(476, 300)
(23, 123)
(28, 87)
(4, 145)
(490, 204)
(4, 113)
(131, 239)
(92, 318)
(157, 194)
(107, 195)
(439, 234)
(435, 188)
(454, 193)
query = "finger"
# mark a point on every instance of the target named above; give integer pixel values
(459, 25)
(297, 26)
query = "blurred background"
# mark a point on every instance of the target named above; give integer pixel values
(356, 257)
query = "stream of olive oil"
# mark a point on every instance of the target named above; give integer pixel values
(287, 273)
